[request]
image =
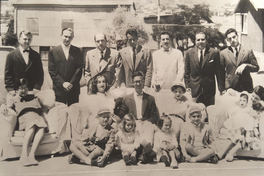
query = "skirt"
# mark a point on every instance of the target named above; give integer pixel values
(30, 119)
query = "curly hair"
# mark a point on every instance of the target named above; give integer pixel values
(95, 81)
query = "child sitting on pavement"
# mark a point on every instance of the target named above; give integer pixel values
(196, 138)
(165, 143)
(97, 142)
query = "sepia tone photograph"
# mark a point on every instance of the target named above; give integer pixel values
(131, 87)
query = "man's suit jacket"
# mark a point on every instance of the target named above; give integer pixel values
(230, 63)
(149, 109)
(201, 79)
(16, 69)
(143, 63)
(108, 65)
(62, 70)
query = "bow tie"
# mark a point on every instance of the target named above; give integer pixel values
(26, 50)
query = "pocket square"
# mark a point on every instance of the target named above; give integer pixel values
(211, 61)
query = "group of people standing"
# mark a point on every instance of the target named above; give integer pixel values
(134, 66)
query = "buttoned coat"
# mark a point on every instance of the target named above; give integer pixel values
(16, 69)
(230, 63)
(143, 63)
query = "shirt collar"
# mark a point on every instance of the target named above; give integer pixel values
(22, 49)
(137, 95)
(166, 50)
(66, 47)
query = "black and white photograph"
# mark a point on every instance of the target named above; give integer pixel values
(131, 87)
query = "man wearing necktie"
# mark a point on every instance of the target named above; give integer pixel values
(168, 64)
(202, 64)
(134, 58)
(237, 63)
(23, 63)
(65, 68)
(101, 60)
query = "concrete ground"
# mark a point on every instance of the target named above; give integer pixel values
(58, 166)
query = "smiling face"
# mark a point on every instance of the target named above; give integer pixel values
(232, 38)
(243, 101)
(101, 84)
(129, 126)
(138, 84)
(67, 37)
(25, 40)
(100, 41)
(132, 40)
(200, 40)
(196, 118)
(178, 93)
(166, 125)
(104, 119)
(165, 41)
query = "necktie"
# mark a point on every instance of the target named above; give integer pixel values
(134, 57)
(201, 57)
(236, 52)
(102, 55)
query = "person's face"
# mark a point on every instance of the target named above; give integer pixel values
(67, 37)
(25, 40)
(200, 41)
(178, 93)
(101, 84)
(104, 119)
(129, 126)
(165, 41)
(232, 38)
(196, 118)
(166, 125)
(255, 98)
(138, 84)
(100, 42)
(132, 41)
(23, 91)
(243, 101)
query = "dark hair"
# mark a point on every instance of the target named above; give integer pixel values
(26, 33)
(67, 29)
(200, 31)
(259, 90)
(120, 109)
(133, 32)
(244, 95)
(102, 34)
(131, 119)
(230, 30)
(138, 73)
(162, 119)
(165, 33)
(95, 81)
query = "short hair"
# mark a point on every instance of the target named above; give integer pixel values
(138, 73)
(67, 29)
(133, 32)
(165, 33)
(244, 95)
(26, 33)
(102, 34)
(162, 119)
(201, 31)
(230, 30)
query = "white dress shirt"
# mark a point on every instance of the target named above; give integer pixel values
(66, 50)
(138, 101)
(168, 67)
(234, 50)
(24, 54)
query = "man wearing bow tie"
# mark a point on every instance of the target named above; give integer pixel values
(168, 64)
(237, 63)
(100, 60)
(134, 58)
(201, 66)
(23, 63)
(65, 68)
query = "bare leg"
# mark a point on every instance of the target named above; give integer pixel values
(77, 149)
(94, 154)
(230, 155)
(38, 136)
(27, 139)
(174, 163)
(204, 155)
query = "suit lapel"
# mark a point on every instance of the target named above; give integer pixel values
(29, 60)
(20, 57)
(106, 60)
(195, 58)
(144, 104)
(231, 55)
(61, 53)
(138, 55)
(241, 55)
(127, 57)
(206, 56)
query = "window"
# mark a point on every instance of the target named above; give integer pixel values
(244, 23)
(67, 23)
(33, 25)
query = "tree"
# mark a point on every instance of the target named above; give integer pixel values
(10, 38)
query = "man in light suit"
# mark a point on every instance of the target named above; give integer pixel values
(134, 58)
(101, 60)
(202, 64)
(168, 64)
(23, 63)
(237, 63)
(65, 68)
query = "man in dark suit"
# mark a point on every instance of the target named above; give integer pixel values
(237, 63)
(139, 103)
(65, 68)
(23, 63)
(201, 66)
(100, 60)
(134, 58)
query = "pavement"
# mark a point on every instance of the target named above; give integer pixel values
(58, 166)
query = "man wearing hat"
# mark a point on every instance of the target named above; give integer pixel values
(101, 60)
